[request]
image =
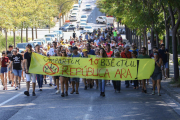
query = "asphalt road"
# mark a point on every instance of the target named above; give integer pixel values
(130, 104)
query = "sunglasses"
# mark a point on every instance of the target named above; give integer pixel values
(63, 52)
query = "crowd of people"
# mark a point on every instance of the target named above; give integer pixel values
(101, 43)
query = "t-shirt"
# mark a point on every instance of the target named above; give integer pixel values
(17, 61)
(91, 52)
(134, 50)
(28, 57)
(126, 55)
(9, 54)
(115, 34)
(73, 55)
(96, 41)
(143, 56)
(71, 42)
(4, 61)
(109, 54)
(51, 51)
(86, 37)
(163, 55)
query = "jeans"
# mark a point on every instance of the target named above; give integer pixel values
(127, 83)
(102, 85)
(39, 80)
(117, 85)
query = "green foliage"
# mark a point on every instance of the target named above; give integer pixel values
(10, 41)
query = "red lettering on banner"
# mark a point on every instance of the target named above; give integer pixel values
(100, 72)
(64, 70)
(89, 71)
(94, 73)
(72, 72)
(129, 73)
(96, 61)
(91, 61)
(106, 72)
(118, 72)
(122, 74)
(77, 70)
(83, 71)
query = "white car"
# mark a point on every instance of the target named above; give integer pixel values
(101, 19)
(74, 13)
(75, 9)
(84, 17)
(82, 25)
(88, 7)
(73, 18)
(76, 6)
(88, 29)
(49, 40)
(83, 20)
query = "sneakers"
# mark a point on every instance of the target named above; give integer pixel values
(55, 87)
(153, 92)
(10, 82)
(66, 93)
(159, 94)
(45, 81)
(16, 88)
(103, 94)
(91, 86)
(50, 84)
(85, 88)
(40, 89)
(57, 92)
(33, 94)
(62, 94)
(132, 83)
(26, 93)
(19, 86)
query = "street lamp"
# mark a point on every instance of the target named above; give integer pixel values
(60, 11)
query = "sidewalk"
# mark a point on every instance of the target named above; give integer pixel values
(171, 89)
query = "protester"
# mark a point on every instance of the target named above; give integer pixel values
(134, 48)
(102, 82)
(164, 54)
(16, 61)
(63, 79)
(142, 56)
(115, 33)
(74, 35)
(38, 76)
(157, 74)
(27, 60)
(9, 55)
(134, 55)
(75, 80)
(117, 84)
(4, 63)
(126, 54)
(85, 55)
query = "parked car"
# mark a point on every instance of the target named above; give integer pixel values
(83, 20)
(101, 19)
(71, 27)
(73, 18)
(41, 39)
(76, 6)
(52, 35)
(88, 7)
(60, 34)
(75, 9)
(84, 17)
(88, 29)
(64, 26)
(49, 39)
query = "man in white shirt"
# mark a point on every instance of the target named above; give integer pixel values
(149, 47)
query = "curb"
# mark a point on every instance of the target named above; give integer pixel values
(173, 94)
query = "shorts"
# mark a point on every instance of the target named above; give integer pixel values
(17, 72)
(28, 77)
(75, 79)
(3, 69)
(165, 65)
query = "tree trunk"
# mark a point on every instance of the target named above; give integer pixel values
(6, 38)
(1, 29)
(167, 38)
(157, 40)
(32, 34)
(21, 35)
(130, 39)
(14, 35)
(175, 55)
(36, 33)
(137, 41)
(152, 37)
(178, 39)
(118, 26)
(26, 34)
(140, 42)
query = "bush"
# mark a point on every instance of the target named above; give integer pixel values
(10, 41)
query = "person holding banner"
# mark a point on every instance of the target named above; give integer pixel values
(157, 74)
(102, 82)
(75, 80)
(27, 61)
(85, 55)
(64, 80)
(143, 55)
(126, 54)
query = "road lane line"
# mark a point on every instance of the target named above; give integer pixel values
(10, 99)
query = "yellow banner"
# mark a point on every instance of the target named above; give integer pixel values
(92, 68)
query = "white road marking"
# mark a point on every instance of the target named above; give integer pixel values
(10, 99)
(86, 117)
